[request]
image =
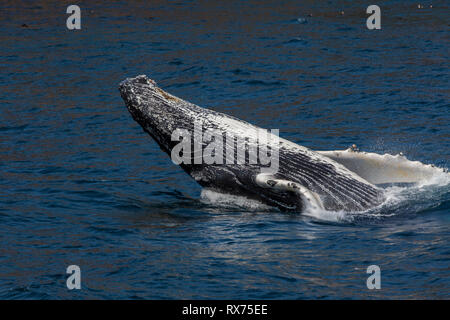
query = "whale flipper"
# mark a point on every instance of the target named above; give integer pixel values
(383, 169)
(265, 180)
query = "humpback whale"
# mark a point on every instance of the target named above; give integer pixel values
(303, 177)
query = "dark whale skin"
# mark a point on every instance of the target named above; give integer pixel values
(160, 113)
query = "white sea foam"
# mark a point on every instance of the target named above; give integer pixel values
(229, 201)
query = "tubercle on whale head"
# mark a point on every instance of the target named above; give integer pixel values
(137, 92)
(143, 79)
(129, 86)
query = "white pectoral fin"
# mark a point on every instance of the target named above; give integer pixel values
(380, 169)
(307, 196)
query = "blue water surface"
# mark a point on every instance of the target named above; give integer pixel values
(82, 184)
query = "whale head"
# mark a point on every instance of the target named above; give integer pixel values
(158, 112)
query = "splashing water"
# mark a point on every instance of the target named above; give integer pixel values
(229, 201)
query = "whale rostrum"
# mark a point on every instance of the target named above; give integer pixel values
(302, 177)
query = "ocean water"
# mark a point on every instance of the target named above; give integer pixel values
(82, 184)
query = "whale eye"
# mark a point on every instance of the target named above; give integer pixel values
(271, 183)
